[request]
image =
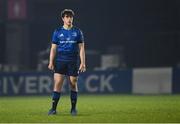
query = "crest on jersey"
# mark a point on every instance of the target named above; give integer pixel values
(74, 34)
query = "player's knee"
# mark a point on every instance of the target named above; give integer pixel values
(74, 80)
(57, 82)
(73, 85)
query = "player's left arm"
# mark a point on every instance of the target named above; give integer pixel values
(82, 67)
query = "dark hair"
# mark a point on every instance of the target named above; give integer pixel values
(67, 12)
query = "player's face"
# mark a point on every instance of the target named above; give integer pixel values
(68, 20)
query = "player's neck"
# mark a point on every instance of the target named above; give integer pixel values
(67, 27)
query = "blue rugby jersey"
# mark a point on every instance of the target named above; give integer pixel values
(67, 41)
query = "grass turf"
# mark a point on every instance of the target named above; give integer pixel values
(93, 108)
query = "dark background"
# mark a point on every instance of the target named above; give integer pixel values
(145, 33)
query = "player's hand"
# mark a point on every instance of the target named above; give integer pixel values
(51, 66)
(82, 68)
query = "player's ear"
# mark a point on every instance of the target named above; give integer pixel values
(62, 18)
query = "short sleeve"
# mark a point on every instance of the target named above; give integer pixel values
(54, 37)
(80, 37)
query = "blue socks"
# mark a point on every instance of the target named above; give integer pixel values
(73, 99)
(55, 99)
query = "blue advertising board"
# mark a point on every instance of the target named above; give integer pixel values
(106, 82)
(39, 83)
(27, 83)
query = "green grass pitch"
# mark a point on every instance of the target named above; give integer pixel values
(93, 108)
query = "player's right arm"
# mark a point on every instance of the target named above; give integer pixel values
(52, 56)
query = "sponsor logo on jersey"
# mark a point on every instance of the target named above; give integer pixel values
(68, 41)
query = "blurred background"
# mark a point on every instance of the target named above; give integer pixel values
(123, 36)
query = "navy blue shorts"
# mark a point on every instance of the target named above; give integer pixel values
(69, 68)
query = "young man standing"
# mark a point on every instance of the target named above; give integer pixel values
(67, 46)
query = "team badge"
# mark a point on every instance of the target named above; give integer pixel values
(74, 34)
